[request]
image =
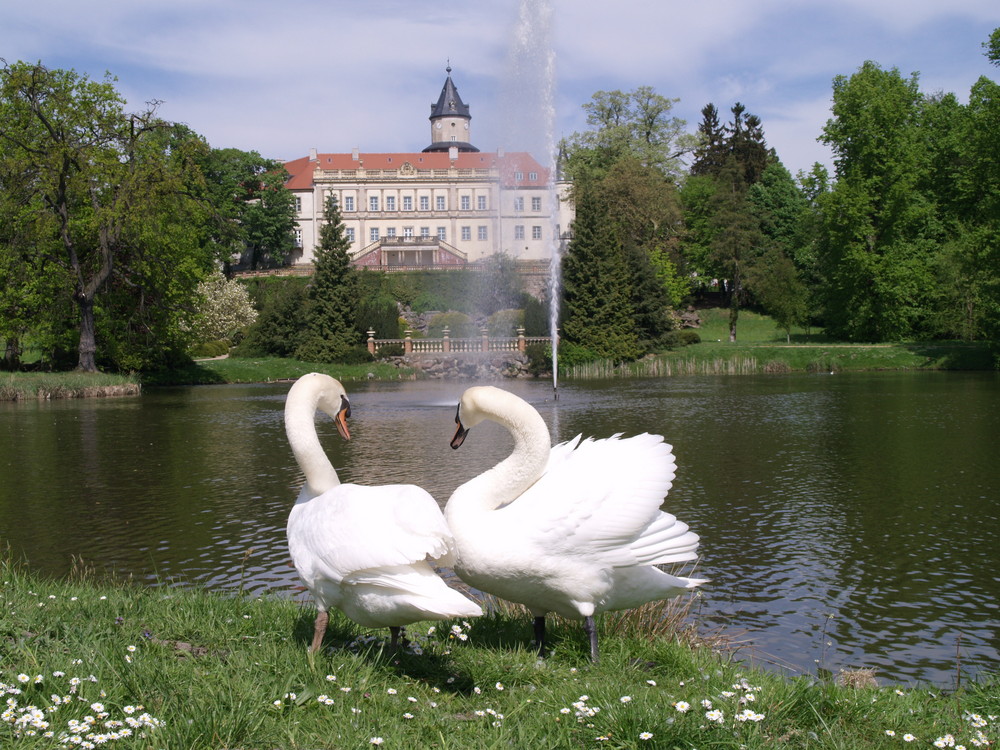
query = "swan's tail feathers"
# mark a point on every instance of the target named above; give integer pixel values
(633, 587)
(665, 540)
(409, 593)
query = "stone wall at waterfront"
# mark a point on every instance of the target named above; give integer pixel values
(468, 366)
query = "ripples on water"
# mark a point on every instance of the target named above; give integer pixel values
(846, 520)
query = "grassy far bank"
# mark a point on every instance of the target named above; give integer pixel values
(761, 348)
(185, 668)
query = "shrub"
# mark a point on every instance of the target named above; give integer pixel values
(210, 348)
(389, 350)
(224, 308)
(539, 359)
(505, 322)
(573, 354)
(356, 355)
(459, 324)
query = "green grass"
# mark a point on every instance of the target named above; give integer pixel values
(751, 327)
(761, 348)
(208, 671)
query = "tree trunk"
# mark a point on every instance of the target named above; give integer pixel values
(12, 355)
(88, 341)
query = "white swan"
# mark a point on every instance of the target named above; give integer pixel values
(363, 549)
(573, 529)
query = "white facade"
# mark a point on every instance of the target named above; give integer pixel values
(447, 205)
(471, 205)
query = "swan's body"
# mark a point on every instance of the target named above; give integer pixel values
(364, 550)
(574, 529)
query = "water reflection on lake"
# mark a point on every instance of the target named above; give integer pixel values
(846, 520)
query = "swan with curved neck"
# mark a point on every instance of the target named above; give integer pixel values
(364, 550)
(574, 529)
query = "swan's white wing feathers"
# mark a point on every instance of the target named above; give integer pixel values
(602, 497)
(351, 528)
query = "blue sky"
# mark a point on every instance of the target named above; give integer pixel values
(280, 78)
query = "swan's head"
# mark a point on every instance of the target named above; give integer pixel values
(476, 404)
(328, 395)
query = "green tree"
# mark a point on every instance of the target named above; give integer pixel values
(638, 124)
(779, 289)
(330, 330)
(712, 148)
(992, 47)
(252, 213)
(881, 227)
(597, 313)
(737, 241)
(119, 217)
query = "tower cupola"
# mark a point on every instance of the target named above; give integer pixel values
(450, 120)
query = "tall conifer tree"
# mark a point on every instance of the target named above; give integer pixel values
(597, 310)
(330, 332)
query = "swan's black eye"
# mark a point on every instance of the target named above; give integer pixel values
(458, 412)
(345, 406)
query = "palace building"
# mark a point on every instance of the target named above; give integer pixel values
(447, 205)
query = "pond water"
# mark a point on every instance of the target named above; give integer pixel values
(847, 520)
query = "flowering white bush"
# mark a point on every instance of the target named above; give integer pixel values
(224, 308)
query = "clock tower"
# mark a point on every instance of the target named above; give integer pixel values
(450, 121)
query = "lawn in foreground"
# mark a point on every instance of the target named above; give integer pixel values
(92, 664)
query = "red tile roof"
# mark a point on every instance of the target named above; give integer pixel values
(301, 170)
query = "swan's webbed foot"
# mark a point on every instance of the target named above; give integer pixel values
(590, 628)
(319, 630)
(540, 634)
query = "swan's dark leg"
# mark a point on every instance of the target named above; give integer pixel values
(319, 630)
(395, 630)
(540, 634)
(590, 628)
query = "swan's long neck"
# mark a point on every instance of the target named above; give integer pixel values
(300, 427)
(511, 477)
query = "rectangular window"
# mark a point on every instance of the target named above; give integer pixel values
(466, 234)
(481, 202)
(481, 233)
(349, 234)
(298, 236)
(532, 176)
(374, 234)
(373, 203)
(390, 232)
(442, 233)
(407, 231)
(536, 203)
(519, 232)
(390, 203)
(518, 176)
(465, 202)
(407, 202)
(348, 202)
(440, 205)
(425, 203)
(519, 204)
(536, 233)
(425, 232)
(298, 204)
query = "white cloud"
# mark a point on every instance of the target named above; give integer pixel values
(333, 74)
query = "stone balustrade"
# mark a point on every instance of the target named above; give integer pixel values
(448, 345)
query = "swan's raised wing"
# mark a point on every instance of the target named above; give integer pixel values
(602, 498)
(352, 528)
